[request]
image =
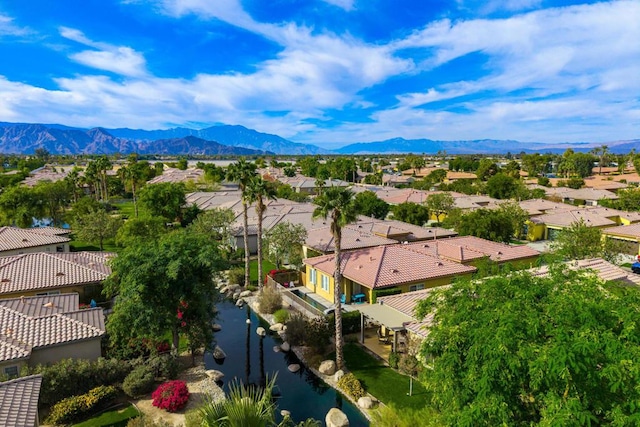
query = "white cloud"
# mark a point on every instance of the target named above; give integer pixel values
(116, 59)
(347, 5)
(8, 28)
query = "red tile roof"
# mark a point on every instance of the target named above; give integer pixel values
(14, 238)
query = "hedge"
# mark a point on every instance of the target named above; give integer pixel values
(75, 408)
(139, 382)
(384, 293)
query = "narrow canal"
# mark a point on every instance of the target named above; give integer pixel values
(251, 359)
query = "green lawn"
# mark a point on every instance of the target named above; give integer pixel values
(108, 246)
(253, 269)
(126, 209)
(384, 383)
(114, 418)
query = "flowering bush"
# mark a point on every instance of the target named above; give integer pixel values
(171, 396)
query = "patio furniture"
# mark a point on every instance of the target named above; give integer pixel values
(343, 298)
(358, 298)
(382, 338)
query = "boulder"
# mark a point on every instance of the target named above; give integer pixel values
(276, 327)
(327, 367)
(276, 349)
(216, 327)
(339, 374)
(218, 353)
(282, 334)
(285, 413)
(236, 295)
(294, 367)
(261, 331)
(240, 302)
(245, 294)
(285, 347)
(336, 418)
(365, 402)
(214, 375)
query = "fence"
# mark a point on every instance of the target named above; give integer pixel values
(295, 301)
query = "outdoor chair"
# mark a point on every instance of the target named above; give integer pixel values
(382, 338)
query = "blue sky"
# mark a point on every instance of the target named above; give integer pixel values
(328, 72)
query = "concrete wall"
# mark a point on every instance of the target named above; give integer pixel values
(47, 248)
(79, 289)
(89, 350)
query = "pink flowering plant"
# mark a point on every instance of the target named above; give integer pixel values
(171, 396)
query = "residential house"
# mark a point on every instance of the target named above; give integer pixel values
(409, 267)
(627, 235)
(16, 241)
(175, 175)
(43, 273)
(46, 329)
(19, 401)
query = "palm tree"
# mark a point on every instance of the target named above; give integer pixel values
(603, 154)
(133, 175)
(257, 191)
(337, 203)
(241, 172)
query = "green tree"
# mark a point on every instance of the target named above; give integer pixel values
(164, 199)
(602, 153)
(19, 205)
(134, 174)
(486, 224)
(216, 224)
(309, 166)
(410, 212)
(258, 191)
(629, 199)
(486, 169)
(54, 197)
(242, 172)
(284, 242)
(337, 204)
(516, 215)
(580, 241)
(502, 186)
(164, 285)
(437, 175)
(368, 204)
(440, 204)
(96, 226)
(142, 229)
(523, 350)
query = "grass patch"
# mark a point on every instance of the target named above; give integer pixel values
(114, 418)
(389, 386)
(79, 245)
(253, 269)
(126, 209)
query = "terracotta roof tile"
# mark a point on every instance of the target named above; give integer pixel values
(19, 401)
(631, 231)
(14, 238)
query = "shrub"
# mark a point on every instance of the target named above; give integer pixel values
(394, 359)
(296, 329)
(384, 293)
(350, 321)
(76, 408)
(70, 377)
(281, 316)
(236, 275)
(171, 396)
(164, 365)
(352, 386)
(269, 300)
(139, 382)
(318, 334)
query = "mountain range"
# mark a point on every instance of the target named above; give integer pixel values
(25, 138)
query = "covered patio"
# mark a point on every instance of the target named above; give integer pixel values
(383, 329)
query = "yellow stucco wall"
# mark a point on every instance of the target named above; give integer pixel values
(45, 248)
(88, 350)
(535, 231)
(80, 290)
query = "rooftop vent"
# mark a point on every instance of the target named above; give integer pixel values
(5, 280)
(439, 263)
(59, 273)
(25, 240)
(499, 252)
(394, 270)
(48, 304)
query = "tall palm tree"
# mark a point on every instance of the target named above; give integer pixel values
(133, 176)
(258, 191)
(337, 203)
(603, 154)
(241, 172)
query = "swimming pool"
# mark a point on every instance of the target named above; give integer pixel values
(309, 300)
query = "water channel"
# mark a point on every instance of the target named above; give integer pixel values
(251, 359)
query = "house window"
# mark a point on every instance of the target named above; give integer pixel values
(325, 283)
(312, 276)
(59, 248)
(42, 294)
(416, 287)
(11, 371)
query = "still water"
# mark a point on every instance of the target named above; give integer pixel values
(251, 358)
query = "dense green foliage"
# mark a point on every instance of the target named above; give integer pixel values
(283, 243)
(140, 381)
(410, 212)
(368, 204)
(78, 407)
(560, 349)
(579, 241)
(164, 200)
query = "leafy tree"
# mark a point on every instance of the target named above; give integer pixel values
(164, 199)
(142, 229)
(258, 191)
(309, 166)
(512, 169)
(410, 212)
(629, 199)
(373, 179)
(523, 350)
(437, 176)
(343, 168)
(19, 205)
(134, 174)
(289, 171)
(440, 204)
(580, 241)
(182, 164)
(368, 204)
(337, 203)
(164, 285)
(516, 215)
(96, 226)
(215, 224)
(486, 224)
(285, 191)
(284, 242)
(242, 172)
(486, 169)
(603, 155)
(54, 197)
(502, 186)
(535, 164)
